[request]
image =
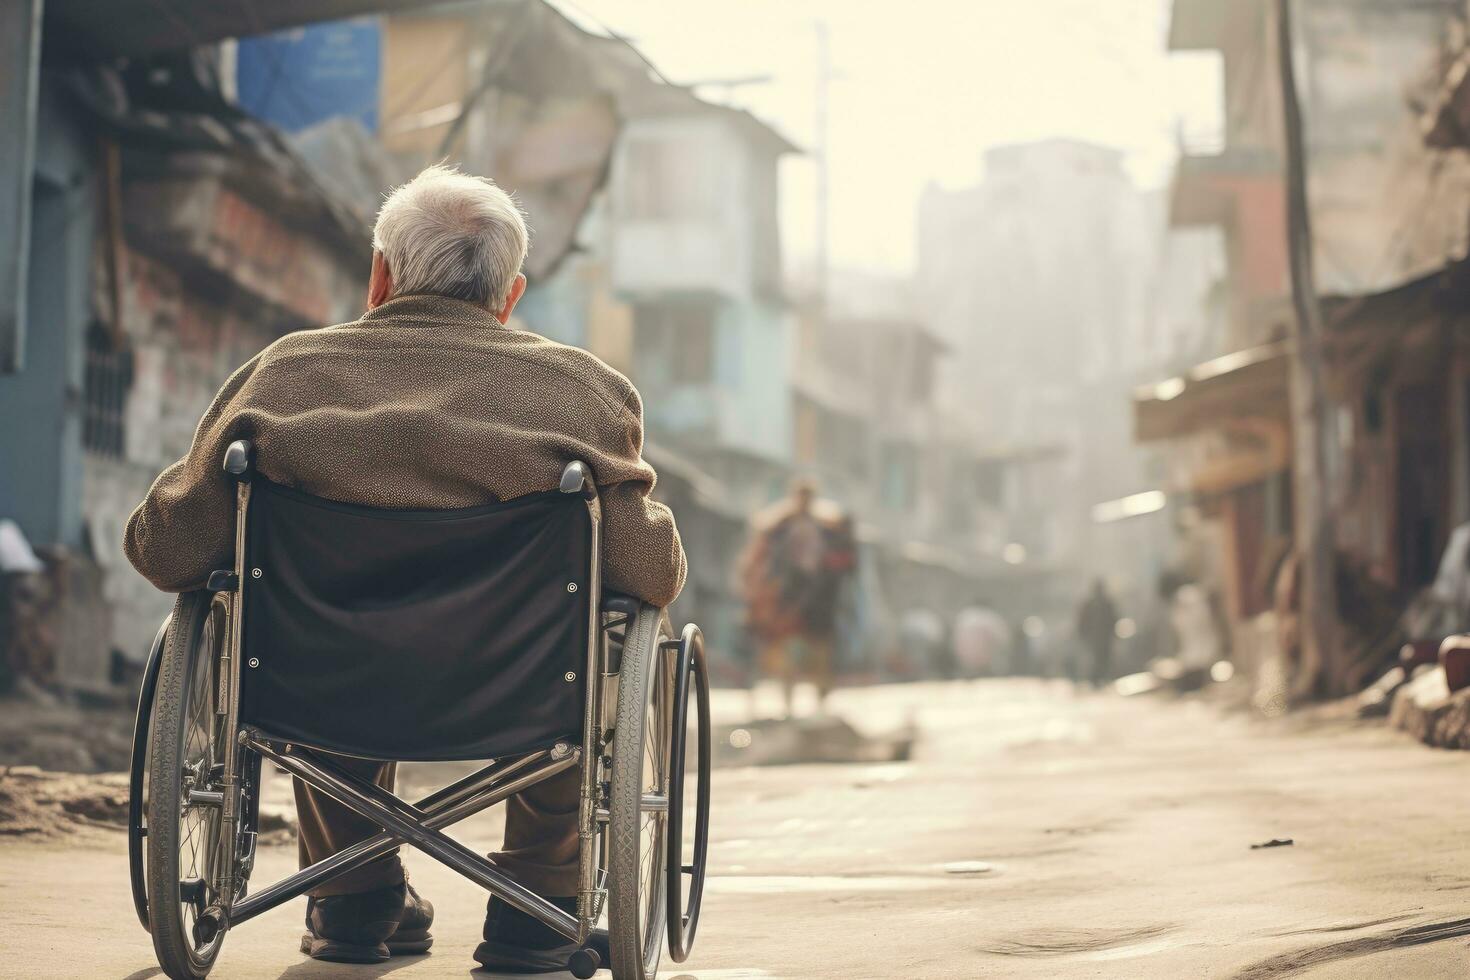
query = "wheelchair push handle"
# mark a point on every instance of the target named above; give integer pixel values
(239, 459)
(576, 477)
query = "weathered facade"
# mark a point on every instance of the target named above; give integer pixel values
(1389, 217)
(174, 237)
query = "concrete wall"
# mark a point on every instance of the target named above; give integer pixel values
(210, 278)
(681, 193)
(753, 367)
(40, 422)
(1386, 208)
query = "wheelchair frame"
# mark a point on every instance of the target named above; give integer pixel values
(420, 824)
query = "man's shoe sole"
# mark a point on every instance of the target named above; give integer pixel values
(409, 942)
(335, 952)
(399, 944)
(505, 958)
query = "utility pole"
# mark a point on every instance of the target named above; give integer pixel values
(824, 82)
(1310, 412)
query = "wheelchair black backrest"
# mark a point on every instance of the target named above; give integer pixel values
(416, 635)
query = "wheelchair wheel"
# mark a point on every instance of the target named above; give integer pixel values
(688, 827)
(138, 777)
(638, 822)
(185, 795)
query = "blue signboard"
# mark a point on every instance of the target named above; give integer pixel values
(299, 77)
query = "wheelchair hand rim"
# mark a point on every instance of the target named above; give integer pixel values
(137, 774)
(684, 906)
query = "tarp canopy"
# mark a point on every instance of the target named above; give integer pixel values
(1243, 383)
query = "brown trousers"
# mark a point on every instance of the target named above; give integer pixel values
(539, 851)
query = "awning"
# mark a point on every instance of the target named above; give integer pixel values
(132, 28)
(1247, 383)
(1134, 505)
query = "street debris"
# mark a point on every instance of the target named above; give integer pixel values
(1143, 682)
(40, 805)
(1273, 842)
(1426, 709)
(823, 738)
(44, 805)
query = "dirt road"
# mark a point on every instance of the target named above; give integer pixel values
(1035, 834)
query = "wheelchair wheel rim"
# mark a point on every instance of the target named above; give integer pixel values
(638, 809)
(658, 721)
(199, 823)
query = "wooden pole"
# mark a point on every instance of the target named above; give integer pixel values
(1322, 652)
(20, 83)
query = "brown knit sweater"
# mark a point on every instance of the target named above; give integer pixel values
(425, 402)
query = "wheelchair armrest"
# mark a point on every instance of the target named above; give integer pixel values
(239, 458)
(617, 602)
(576, 477)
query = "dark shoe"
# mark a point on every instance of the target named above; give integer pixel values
(412, 934)
(366, 927)
(517, 943)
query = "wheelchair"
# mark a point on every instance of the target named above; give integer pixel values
(479, 633)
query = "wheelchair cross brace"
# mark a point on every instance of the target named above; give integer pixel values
(417, 824)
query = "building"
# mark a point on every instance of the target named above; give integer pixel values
(1040, 278)
(1389, 222)
(167, 234)
(171, 238)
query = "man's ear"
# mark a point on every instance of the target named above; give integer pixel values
(517, 290)
(380, 283)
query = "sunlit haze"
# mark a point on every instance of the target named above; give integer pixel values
(920, 90)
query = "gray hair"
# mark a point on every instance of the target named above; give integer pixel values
(451, 234)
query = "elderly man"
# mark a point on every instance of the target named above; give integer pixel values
(429, 400)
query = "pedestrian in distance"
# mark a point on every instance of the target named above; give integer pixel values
(1097, 624)
(800, 554)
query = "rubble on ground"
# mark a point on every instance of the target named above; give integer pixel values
(65, 737)
(40, 805)
(1427, 710)
(43, 805)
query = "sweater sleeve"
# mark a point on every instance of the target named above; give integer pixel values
(185, 526)
(641, 551)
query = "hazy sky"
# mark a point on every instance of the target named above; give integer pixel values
(922, 88)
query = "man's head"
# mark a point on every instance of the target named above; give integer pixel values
(449, 234)
(803, 492)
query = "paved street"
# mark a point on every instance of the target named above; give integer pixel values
(1035, 834)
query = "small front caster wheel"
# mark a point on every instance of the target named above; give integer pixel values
(585, 962)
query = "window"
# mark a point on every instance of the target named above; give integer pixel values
(108, 380)
(681, 338)
(667, 180)
(899, 470)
